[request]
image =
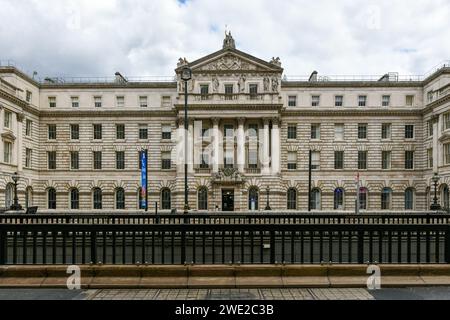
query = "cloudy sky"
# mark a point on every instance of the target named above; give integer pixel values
(146, 37)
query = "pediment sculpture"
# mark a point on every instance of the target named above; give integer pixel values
(228, 62)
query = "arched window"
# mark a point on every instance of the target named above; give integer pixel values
(97, 198)
(51, 198)
(315, 199)
(409, 199)
(386, 195)
(445, 197)
(9, 195)
(74, 199)
(28, 197)
(165, 198)
(339, 198)
(292, 199)
(120, 198)
(253, 198)
(363, 198)
(202, 198)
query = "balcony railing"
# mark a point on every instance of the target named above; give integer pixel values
(237, 97)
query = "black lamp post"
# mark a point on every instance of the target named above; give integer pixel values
(267, 198)
(435, 205)
(15, 206)
(186, 75)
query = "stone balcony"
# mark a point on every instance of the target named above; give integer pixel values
(235, 98)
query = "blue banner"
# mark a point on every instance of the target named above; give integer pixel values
(143, 161)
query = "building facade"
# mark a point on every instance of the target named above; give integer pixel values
(75, 143)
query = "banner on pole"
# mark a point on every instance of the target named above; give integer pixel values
(143, 160)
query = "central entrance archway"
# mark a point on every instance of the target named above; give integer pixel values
(227, 199)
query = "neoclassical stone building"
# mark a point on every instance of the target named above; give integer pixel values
(75, 142)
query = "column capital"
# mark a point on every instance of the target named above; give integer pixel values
(266, 121)
(215, 121)
(241, 120)
(276, 120)
(180, 121)
(20, 116)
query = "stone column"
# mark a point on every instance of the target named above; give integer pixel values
(19, 141)
(180, 146)
(2, 121)
(275, 147)
(265, 149)
(241, 145)
(198, 148)
(216, 145)
(190, 146)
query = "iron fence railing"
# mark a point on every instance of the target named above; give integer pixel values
(223, 243)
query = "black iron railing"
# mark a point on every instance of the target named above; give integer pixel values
(228, 218)
(223, 243)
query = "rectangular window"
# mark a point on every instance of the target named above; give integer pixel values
(430, 127)
(315, 101)
(228, 131)
(447, 120)
(74, 131)
(8, 119)
(253, 157)
(75, 102)
(165, 160)
(97, 101)
(28, 97)
(292, 160)
(166, 101)
(97, 131)
(338, 101)
(409, 100)
(28, 127)
(292, 101)
(338, 160)
(120, 160)
(143, 101)
(28, 157)
(292, 131)
(339, 131)
(228, 91)
(51, 160)
(204, 90)
(362, 100)
(409, 131)
(120, 101)
(7, 149)
(430, 157)
(74, 160)
(143, 131)
(386, 101)
(409, 159)
(52, 102)
(386, 160)
(386, 131)
(362, 130)
(120, 131)
(166, 132)
(253, 90)
(97, 155)
(315, 131)
(315, 160)
(362, 160)
(447, 153)
(52, 131)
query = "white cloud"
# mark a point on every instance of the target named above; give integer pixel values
(141, 37)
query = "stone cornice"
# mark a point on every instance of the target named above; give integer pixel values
(112, 85)
(350, 84)
(345, 113)
(108, 113)
(233, 107)
(436, 103)
(12, 99)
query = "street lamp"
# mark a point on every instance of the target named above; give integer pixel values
(267, 197)
(15, 206)
(435, 205)
(186, 75)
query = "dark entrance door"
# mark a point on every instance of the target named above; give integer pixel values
(228, 199)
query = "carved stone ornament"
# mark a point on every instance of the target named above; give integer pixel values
(276, 61)
(228, 42)
(228, 175)
(228, 62)
(182, 62)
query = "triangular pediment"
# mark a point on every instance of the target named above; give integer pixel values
(230, 60)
